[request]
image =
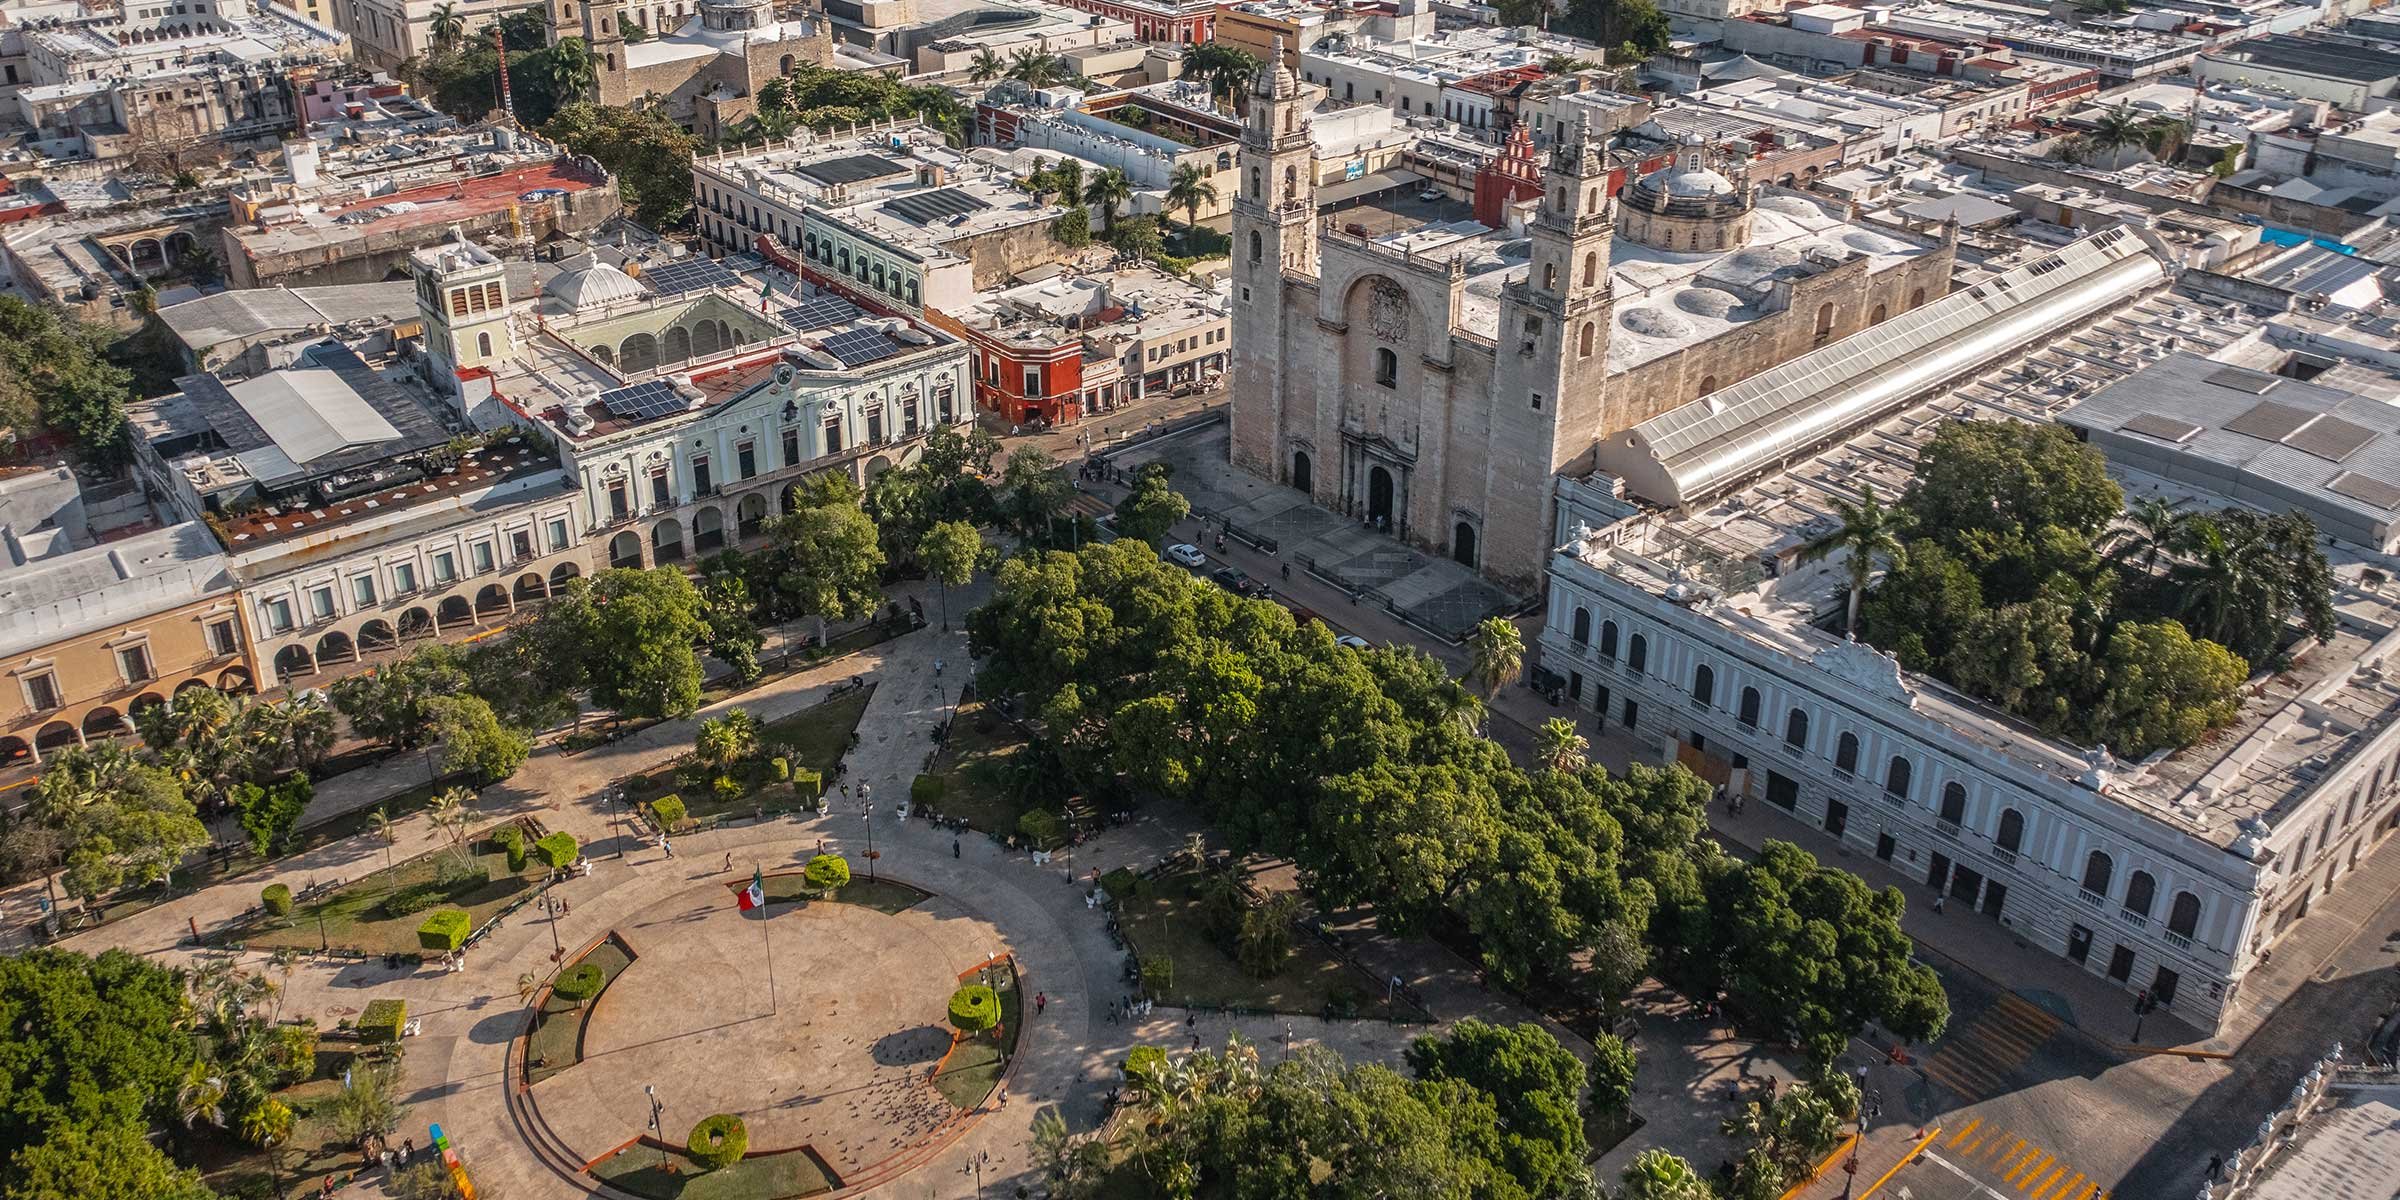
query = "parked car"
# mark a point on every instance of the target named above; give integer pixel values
(1430, 195)
(1187, 554)
(1351, 640)
(1240, 584)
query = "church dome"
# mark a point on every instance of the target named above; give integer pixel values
(1687, 205)
(1698, 181)
(592, 284)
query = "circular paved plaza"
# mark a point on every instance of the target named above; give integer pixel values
(818, 1024)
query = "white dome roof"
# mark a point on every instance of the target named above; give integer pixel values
(593, 284)
(1678, 180)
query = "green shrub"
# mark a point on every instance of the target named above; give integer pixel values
(1158, 976)
(512, 842)
(579, 983)
(1122, 883)
(668, 812)
(726, 789)
(807, 785)
(779, 769)
(718, 1142)
(446, 930)
(1040, 826)
(827, 872)
(455, 876)
(277, 898)
(558, 850)
(974, 1008)
(415, 898)
(692, 776)
(382, 1020)
(925, 790)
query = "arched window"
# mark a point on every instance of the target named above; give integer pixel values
(1916, 297)
(1896, 776)
(1704, 684)
(2012, 830)
(1845, 753)
(2139, 892)
(1708, 383)
(2097, 870)
(1560, 202)
(1637, 652)
(2184, 915)
(1581, 631)
(1387, 367)
(1795, 729)
(1291, 177)
(1549, 277)
(1257, 246)
(1954, 802)
(1824, 320)
(1591, 268)
(1583, 341)
(1608, 639)
(483, 344)
(1876, 317)
(1747, 714)
(1255, 194)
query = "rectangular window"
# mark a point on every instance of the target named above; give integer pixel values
(362, 590)
(833, 435)
(660, 495)
(445, 567)
(221, 640)
(791, 447)
(619, 505)
(700, 482)
(279, 615)
(1033, 381)
(746, 457)
(520, 544)
(133, 662)
(875, 424)
(42, 692)
(558, 535)
(908, 416)
(404, 578)
(480, 553)
(320, 603)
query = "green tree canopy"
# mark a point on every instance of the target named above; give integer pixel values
(827, 556)
(105, 1162)
(89, 1044)
(650, 155)
(1534, 1084)
(474, 739)
(628, 635)
(1153, 507)
(393, 703)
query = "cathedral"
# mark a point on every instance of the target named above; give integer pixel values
(705, 75)
(1431, 383)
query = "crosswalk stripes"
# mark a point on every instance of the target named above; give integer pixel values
(1976, 1062)
(2025, 1169)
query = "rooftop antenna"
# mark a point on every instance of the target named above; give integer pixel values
(508, 104)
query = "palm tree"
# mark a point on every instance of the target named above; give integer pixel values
(449, 28)
(1868, 531)
(2153, 526)
(1188, 189)
(1035, 67)
(452, 812)
(987, 66)
(569, 69)
(1559, 747)
(1561, 64)
(200, 1099)
(1495, 651)
(2116, 128)
(1105, 192)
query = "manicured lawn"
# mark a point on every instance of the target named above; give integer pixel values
(354, 919)
(973, 1068)
(977, 767)
(811, 739)
(882, 895)
(639, 1171)
(556, 1042)
(1167, 922)
(314, 1152)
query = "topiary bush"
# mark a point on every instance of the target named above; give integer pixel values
(382, 1021)
(974, 1008)
(558, 850)
(511, 841)
(925, 790)
(726, 789)
(1040, 826)
(445, 931)
(668, 812)
(277, 898)
(827, 873)
(718, 1142)
(1121, 883)
(779, 769)
(579, 983)
(807, 785)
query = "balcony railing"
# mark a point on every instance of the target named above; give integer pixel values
(2178, 940)
(2005, 855)
(2091, 897)
(2135, 919)
(1948, 828)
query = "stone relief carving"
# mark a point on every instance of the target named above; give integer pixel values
(1387, 313)
(1856, 662)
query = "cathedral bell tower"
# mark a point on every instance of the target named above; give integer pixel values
(594, 21)
(1274, 233)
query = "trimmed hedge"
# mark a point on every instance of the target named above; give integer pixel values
(827, 872)
(446, 930)
(718, 1142)
(382, 1021)
(807, 784)
(511, 841)
(668, 812)
(277, 898)
(558, 850)
(1039, 825)
(415, 898)
(1121, 883)
(925, 789)
(779, 769)
(579, 983)
(974, 1008)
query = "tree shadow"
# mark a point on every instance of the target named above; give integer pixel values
(497, 1029)
(908, 1047)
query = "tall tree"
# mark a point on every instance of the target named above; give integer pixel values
(393, 703)
(951, 551)
(1869, 532)
(1534, 1083)
(1034, 494)
(2153, 526)
(828, 556)
(987, 66)
(474, 740)
(1660, 1175)
(1559, 746)
(638, 629)
(1495, 652)
(91, 1043)
(1108, 191)
(1152, 508)
(650, 155)
(569, 68)
(448, 28)
(104, 1162)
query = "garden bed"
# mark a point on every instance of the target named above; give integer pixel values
(1164, 920)
(967, 1074)
(812, 739)
(982, 768)
(644, 1170)
(314, 1151)
(883, 895)
(556, 1040)
(353, 917)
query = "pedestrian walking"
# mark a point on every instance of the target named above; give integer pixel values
(1041, 1000)
(954, 847)
(1195, 1043)
(937, 668)
(666, 846)
(728, 860)
(1937, 904)
(2216, 1166)
(408, 1150)
(820, 845)
(563, 907)
(1862, 1080)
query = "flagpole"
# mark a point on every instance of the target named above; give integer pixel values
(774, 1005)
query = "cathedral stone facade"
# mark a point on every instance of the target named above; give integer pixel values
(703, 76)
(1432, 383)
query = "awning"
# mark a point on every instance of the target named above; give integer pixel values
(1368, 185)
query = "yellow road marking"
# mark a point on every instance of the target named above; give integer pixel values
(2029, 1167)
(2011, 1152)
(2047, 1180)
(1961, 1135)
(2062, 1191)
(2086, 1193)
(1974, 1146)
(1905, 1159)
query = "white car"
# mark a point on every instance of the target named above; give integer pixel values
(1430, 195)
(1187, 554)
(1351, 640)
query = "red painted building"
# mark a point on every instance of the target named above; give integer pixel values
(1184, 22)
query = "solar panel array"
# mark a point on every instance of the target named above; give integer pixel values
(861, 346)
(643, 401)
(689, 275)
(819, 313)
(925, 208)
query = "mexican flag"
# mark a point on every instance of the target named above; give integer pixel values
(754, 896)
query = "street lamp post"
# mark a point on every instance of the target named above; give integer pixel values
(558, 951)
(975, 1163)
(655, 1109)
(1866, 1108)
(871, 853)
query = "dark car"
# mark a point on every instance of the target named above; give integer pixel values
(1240, 584)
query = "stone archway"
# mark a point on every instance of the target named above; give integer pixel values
(560, 574)
(454, 611)
(1462, 545)
(1303, 476)
(492, 601)
(336, 647)
(678, 345)
(376, 635)
(1380, 494)
(293, 661)
(625, 550)
(103, 722)
(750, 514)
(705, 339)
(531, 588)
(637, 354)
(708, 530)
(666, 541)
(416, 623)
(55, 736)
